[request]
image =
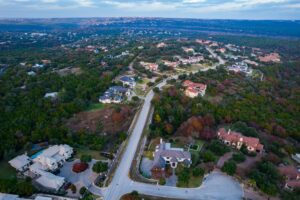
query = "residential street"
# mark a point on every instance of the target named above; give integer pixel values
(215, 186)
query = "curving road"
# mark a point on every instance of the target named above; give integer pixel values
(215, 186)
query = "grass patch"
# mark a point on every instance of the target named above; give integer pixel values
(193, 181)
(149, 154)
(95, 154)
(6, 171)
(95, 106)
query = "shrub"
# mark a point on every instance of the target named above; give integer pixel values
(162, 181)
(239, 157)
(82, 190)
(99, 167)
(218, 148)
(73, 188)
(229, 167)
(198, 172)
(85, 158)
(208, 156)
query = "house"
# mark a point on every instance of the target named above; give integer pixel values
(240, 67)
(38, 66)
(170, 64)
(149, 66)
(237, 140)
(54, 156)
(31, 73)
(161, 45)
(52, 95)
(194, 89)
(272, 57)
(203, 42)
(250, 62)
(292, 185)
(21, 163)
(165, 154)
(126, 80)
(188, 50)
(114, 94)
(191, 60)
(221, 50)
(289, 172)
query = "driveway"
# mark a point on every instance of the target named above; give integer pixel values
(146, 166)
(85, 178)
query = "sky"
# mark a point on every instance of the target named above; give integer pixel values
(204, 9)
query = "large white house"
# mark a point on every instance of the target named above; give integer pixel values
(56, 155)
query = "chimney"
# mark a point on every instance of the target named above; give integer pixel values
(161, 140)
(229, 131)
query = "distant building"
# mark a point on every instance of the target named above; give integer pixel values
(250, 62)
(191, 60)
(31, 73)
(129, 81)
(170, 64)
(164, 154)
(272, 57)
(161, 45)
(203, 42)
(114, 94)
(51, 95)
(194, 89)
(150, 66)
(237, 140)
(188, 50)
(38, 66)
(240, 67)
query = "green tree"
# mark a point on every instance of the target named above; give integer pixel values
(99, 167)
(229, 167)
(85, 158)
(198, 171)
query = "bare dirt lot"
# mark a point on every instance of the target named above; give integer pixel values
(108, 120)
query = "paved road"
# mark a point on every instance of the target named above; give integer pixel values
(221, 61)
(216, 186)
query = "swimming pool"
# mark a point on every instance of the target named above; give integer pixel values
(36, 154)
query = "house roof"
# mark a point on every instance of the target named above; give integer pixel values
(51, 181)
(20, 161)
(195, 86)
(290, 172)
(235, 137)
(293, 183)
(127, 79)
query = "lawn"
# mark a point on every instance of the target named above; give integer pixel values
(197, 146)
(193, 181)
(95, 106)
(6, 171)
(95, 154)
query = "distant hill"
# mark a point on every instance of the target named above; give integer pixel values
(241, 27)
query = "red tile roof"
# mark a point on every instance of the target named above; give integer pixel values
(290, 172)
(293, 184)
(235, 137)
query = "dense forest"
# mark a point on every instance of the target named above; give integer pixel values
(271, 106)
